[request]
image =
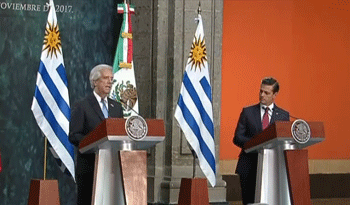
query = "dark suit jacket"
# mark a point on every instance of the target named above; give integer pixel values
(249, 124)
(86, 116)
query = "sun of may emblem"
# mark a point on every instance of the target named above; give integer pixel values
(52, 40)
(198, 54)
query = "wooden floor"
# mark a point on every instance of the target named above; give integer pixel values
(343, 201)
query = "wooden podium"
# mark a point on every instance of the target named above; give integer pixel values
(283, 173)
(121, 163)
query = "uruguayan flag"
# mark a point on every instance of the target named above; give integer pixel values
(51, 100)
(194, 110)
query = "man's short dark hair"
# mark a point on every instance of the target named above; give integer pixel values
(271, 81)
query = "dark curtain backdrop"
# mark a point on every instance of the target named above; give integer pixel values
(89, 32)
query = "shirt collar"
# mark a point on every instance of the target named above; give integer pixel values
(99, 97)
(270, 106)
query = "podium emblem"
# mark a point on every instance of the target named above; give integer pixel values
(301, 131)
(136, 127)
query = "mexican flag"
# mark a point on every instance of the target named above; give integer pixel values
(124, 83)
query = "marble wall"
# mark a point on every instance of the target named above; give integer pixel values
(89, 31)
(162, 34)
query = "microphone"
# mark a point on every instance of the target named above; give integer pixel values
(135, 125)
(278, 113)
(269, 112)
(127, 106)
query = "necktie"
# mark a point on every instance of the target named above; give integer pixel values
(265, 120)
(104, 108)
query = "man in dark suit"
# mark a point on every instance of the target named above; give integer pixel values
(86, 115)
(252, 121)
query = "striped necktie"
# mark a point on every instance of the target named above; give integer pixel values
(104, 108)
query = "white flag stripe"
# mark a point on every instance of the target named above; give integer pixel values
(61, 151)
(207, 171)
(50, 101)
(51, 63)
(54, 154)
(193, 141)
(125, 47)
(47, 94)
(126, 30)
(59, 84)
(198, 97)
(207, 105)
(119, 76)
(204, 131)
(57, 79)
(61, 87)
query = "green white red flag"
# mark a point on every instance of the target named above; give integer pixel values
(124, 84)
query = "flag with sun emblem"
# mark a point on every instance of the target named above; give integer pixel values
(194, 110)
(124, 84)
(50, 104)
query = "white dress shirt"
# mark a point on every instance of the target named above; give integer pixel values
(262, 110)
(99, 101)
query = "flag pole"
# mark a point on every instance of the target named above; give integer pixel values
(194, 163)
(45, 157)
(194, 159)
(199, 10)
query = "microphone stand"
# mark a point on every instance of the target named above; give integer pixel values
(128, 106)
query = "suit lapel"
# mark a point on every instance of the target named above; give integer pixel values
(258, 118)
(112, 110)
(96, 107)
(273, 117)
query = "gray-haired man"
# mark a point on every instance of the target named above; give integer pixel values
(86, 115)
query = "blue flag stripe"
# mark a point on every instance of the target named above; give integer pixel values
(62, 72)
(194, 95)
(64, 107)
(206, 87)
(196, 130)
(55, 126)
